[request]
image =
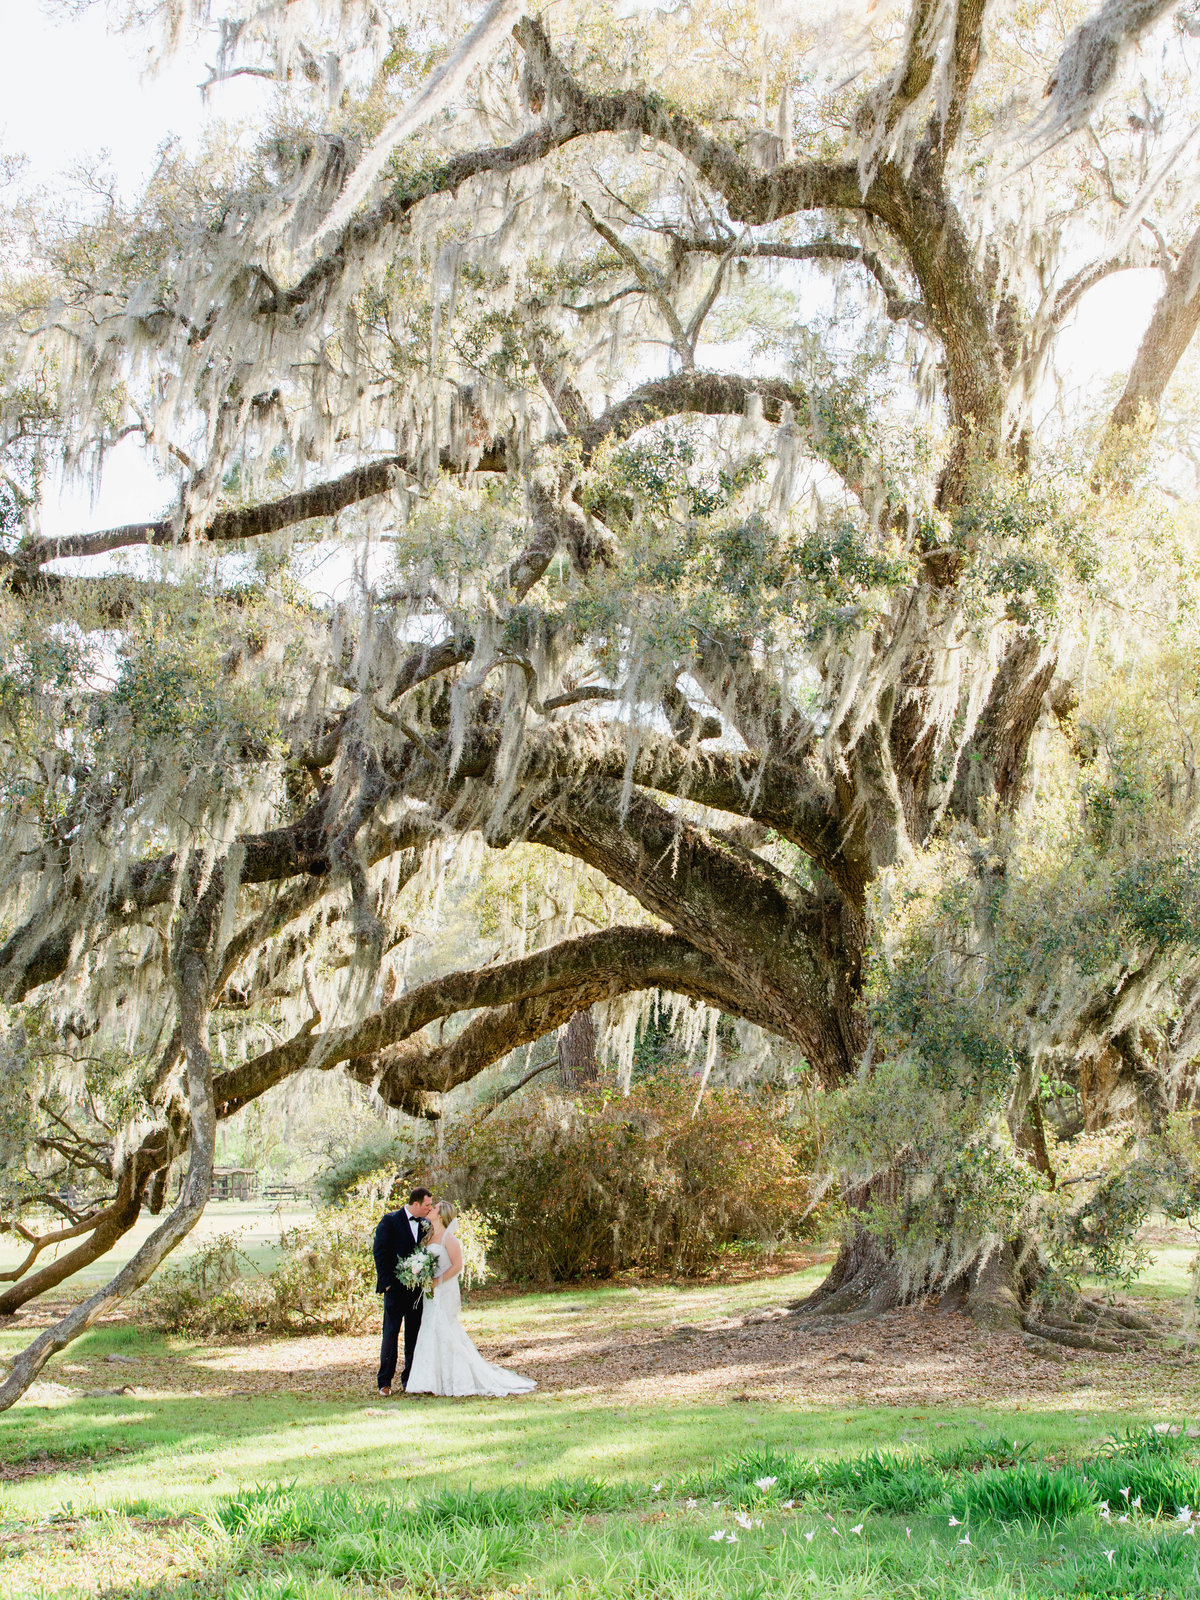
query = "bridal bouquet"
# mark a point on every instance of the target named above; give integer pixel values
(417, 1270)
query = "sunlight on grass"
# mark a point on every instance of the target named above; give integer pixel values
(184, 1453)
(850, 1527)
(179, 1492)
(1169, 1273)
(256, 1223)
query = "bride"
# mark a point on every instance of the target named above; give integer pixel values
(446, 1362)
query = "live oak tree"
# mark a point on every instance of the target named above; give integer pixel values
(681, 387)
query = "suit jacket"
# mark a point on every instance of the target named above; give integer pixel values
(393, 1239)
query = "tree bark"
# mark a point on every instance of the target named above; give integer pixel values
(194, 982)
(577, 1065)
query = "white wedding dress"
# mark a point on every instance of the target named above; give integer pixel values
(445, 1360)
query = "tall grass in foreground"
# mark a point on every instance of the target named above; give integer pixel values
(982, 1521)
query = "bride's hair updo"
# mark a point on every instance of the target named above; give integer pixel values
(447, 1210)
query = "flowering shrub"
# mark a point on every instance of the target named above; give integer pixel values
(605, 1183)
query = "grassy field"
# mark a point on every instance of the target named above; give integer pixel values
(973, 1517)
(202, 1481)
(256, 1224)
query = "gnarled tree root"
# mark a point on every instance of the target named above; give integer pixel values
(1120, 1315)
(1075, 1337)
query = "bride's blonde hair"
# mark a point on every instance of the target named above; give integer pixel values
(447, 1210)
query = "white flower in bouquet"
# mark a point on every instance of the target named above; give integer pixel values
(417, 1270)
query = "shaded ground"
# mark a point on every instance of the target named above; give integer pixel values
(630, 1345)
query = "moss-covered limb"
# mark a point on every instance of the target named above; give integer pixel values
(238, 522)
(911, 202)
(411, 1074)
(31, 957)
(683, 394)
(192, 960)
(612, 961)
(795, 954)
(901, 306)
(1171, 330)
(565, 758)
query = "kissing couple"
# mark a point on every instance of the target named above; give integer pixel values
(439, 1358)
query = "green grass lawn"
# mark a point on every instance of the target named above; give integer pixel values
(982, 1517)
(184, 1494)
(256, 1223)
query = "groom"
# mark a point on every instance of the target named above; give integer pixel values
(398, 1234)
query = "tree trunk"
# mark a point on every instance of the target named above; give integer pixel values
(577, 1065)
(868, 1277)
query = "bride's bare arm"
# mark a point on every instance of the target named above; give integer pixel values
(454, 1250)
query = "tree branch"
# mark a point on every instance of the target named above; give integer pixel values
(650, 280)
(1172, 327)
(900, 307)
(245, 522)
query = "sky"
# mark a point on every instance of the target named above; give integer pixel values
(71, 91)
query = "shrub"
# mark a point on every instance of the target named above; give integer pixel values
(605, 1183)
(325, 1274)
(216, 1290)
(324, 1279)
(369, 1170)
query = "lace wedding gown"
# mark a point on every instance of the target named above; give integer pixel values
(445, 1361)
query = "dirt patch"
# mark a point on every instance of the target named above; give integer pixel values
(903, 1358)
(657, 1345)
(43, 1461)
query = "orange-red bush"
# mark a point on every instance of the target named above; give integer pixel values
(604, 1182)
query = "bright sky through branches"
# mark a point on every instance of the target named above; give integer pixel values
(76, 91)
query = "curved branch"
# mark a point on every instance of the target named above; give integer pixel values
(595, 960)
(900, 307)
(716, 394)
(29, 959)
(1172, 327)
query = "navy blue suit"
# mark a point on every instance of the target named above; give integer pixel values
(401, 1306)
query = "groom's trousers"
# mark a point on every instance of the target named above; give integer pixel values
(401, 1308)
